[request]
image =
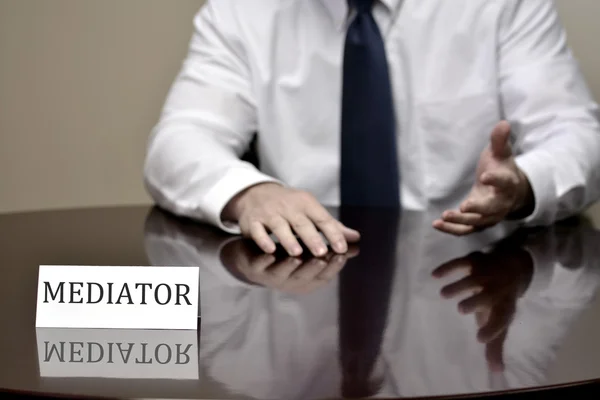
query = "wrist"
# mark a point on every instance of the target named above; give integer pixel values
(233, 210)
(525, 200)
(236, 207)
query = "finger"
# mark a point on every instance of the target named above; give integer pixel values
(459, 264)
(335, 265)
(494, 353)
(468, 284)
(334, 233)
(308, 271)
(502, 179)
(473, 219)
(330, 228)
(475, 303)
(282, 270)
(489, 206)
(260, 263)
(351, 235)
(482, 317)
(495, 326)
(307, 232)
(259, 234)
(499, 321)
(353, 251)
(500, 141)
(453, 229)
(281, 228)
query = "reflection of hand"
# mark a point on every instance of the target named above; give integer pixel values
(492, 285)
(281, 272)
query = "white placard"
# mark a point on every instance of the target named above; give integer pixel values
(117, 297)
(117, 354)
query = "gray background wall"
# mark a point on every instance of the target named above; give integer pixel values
(82, 83)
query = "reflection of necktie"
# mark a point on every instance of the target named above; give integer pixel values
(365, 290)
(369, 161)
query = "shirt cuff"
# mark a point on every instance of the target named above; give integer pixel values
(235, 181)
(538, 168)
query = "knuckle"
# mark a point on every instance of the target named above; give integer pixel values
(305, 196)
(307, 201)
(251, 224)
(256, 216)
(301, 224)
(281, 204)
(274, 221)
(325, 220)
(336, 236)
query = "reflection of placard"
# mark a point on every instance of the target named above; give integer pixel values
(127, 354)
(117, 297)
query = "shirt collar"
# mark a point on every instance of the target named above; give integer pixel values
(339, 10)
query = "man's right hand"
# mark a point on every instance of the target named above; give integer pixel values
(270, 207)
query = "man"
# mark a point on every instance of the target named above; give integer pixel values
(477, 104)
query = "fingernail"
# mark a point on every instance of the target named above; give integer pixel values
(321, 263)
(338, 259)
(321, 251)
(270, 247)
(341, 246)
(297, 250)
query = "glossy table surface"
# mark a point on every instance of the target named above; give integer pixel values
(408, 312)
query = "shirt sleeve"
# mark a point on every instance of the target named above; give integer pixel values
(553, 115)
(193, 165)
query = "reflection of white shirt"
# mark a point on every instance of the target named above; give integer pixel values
(269, 345)
(457, 68)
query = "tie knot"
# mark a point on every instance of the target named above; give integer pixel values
(362, 6)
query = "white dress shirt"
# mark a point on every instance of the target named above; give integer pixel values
(457, 68)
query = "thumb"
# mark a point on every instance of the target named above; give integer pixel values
(500, 141)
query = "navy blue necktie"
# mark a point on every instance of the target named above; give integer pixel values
(370, 174)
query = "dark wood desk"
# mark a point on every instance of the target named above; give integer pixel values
(373, 323)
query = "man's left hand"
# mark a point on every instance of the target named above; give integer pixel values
(501, 190)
